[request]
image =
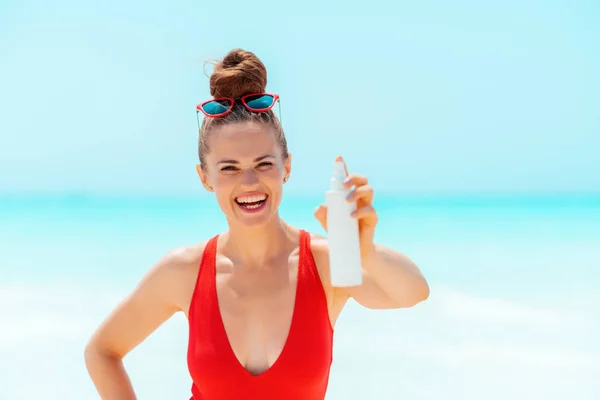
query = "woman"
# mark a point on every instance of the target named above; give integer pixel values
(260, 306)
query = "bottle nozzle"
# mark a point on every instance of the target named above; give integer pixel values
(339, 170)
(339, 174)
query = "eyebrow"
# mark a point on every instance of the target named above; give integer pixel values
(237, 162)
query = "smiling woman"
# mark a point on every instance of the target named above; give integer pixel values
(248, 188)
(258, 298)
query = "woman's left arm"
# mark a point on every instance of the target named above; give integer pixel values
(390, 279)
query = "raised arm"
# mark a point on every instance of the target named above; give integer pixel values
(155, 299)
(390, 278)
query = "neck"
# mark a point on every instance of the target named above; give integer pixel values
(256, 246)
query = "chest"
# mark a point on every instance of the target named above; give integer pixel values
(257, 314)
(256, 328)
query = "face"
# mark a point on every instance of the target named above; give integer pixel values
(245, 169)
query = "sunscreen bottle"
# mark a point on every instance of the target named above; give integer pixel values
(345, 267)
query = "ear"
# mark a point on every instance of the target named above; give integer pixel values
(204, 178)
(287, 168)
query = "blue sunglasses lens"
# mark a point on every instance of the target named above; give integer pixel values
(216, 107)
(259, 102)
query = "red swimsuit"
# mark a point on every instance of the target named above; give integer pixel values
(302, 370)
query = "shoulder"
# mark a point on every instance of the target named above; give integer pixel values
(336, 299)
(180, 259)
(173, 276)
(319, 246)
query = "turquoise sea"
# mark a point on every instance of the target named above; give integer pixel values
(513, 312)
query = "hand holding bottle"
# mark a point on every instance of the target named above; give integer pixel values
(358, 203)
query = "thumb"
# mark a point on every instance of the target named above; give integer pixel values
(321, 215)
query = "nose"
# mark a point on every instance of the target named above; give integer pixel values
(249, 179)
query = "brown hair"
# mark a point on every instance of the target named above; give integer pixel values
(239, 73)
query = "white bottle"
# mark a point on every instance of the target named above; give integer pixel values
(344, 247)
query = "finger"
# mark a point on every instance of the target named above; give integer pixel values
(366, 212)
(321, 215)
(355, 180)
(363, 194)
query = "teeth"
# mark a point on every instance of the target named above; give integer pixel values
(250, 199)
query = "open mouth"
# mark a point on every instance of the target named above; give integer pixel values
(251, 203)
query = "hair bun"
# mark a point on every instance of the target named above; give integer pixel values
(239, 73)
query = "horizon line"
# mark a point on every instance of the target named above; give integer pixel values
(413, 199)
(385, 193)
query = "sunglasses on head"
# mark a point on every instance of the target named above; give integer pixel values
(256, 102)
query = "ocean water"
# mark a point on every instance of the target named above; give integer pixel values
(513, 311)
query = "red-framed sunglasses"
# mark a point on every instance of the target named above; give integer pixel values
(256, 102)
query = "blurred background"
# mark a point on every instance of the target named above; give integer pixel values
(477, 125)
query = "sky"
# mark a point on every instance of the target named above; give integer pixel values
(423, 96)
(99, 97)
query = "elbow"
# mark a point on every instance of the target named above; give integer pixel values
(408, 298)
(90, 357)
(90, 354)
(424, 293)
(419, 295)
(93, 354)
